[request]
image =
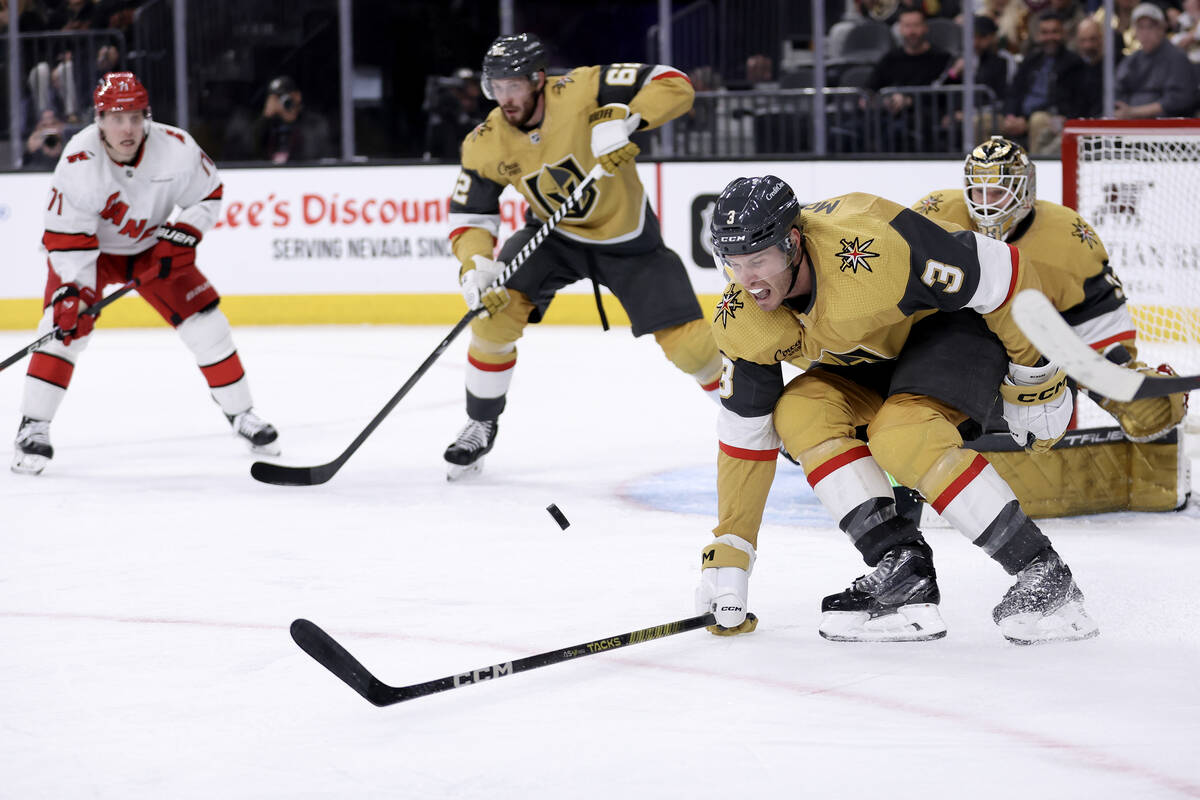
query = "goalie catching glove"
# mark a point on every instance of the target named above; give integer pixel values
(1149, 418)
(176, 249)
(725, 567)
(68, 301)
(476, 280)
(1037, 404)
(611, 126)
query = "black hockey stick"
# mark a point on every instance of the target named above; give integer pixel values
(281, 475)
(331, 655)
(91, 311)
(1054, 338)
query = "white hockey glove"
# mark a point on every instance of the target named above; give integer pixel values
(476, 281)
(611, 126)
(725, 567)
(1037, 403)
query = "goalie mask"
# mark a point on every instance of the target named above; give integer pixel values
(519, 56)
(998, 186)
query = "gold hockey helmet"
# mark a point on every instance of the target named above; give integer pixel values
(999, 186)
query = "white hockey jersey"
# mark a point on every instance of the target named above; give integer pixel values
(96, 205)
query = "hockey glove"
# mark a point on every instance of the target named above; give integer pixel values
(725, 567)
(611, 126)
(476, 280)
(1151, 417)
(176, 249)
(68, 301)
(1037, 404)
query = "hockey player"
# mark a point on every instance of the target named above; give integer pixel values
(545, 136)
(999, 199)
(130, 200)
(904, 328)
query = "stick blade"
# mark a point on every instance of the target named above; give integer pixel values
(335, 658)
(280, 475)
(1038, 319)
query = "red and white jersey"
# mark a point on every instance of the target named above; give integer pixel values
(96, 205)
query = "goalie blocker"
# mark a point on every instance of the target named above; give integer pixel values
(1093, 471)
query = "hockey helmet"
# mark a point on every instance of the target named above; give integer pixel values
(1004, 180)
(120, 91)
(753, 214)
(520, 56)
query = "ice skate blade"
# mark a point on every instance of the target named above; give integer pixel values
(458, 472)
(1070, 623)
(29, 463)
(917, 622)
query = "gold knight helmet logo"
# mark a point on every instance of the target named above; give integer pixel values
(550, 187)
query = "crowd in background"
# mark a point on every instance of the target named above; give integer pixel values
(1040, 60)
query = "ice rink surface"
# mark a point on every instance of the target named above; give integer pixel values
(147, 584)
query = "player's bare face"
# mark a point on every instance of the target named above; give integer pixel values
(519, 100)
(992, 197)
(123, 132)
(767, 276)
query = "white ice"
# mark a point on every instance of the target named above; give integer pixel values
(147, 584)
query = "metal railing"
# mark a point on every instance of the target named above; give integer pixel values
(780, 123)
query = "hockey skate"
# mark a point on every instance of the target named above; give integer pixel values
(465, 454)
(32, 447)
(898, 602)
(261, 437)
(1044, 605)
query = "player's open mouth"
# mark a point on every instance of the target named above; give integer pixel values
(760, 294)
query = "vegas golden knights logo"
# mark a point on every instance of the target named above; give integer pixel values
(550, 187)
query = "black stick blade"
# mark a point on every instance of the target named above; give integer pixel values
(335, 658)
(280, 475)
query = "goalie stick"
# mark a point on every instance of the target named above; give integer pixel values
(335, 658)
(281, 475)
(91, 310)
(1053, 337)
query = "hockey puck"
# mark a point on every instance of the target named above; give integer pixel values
(559, 517)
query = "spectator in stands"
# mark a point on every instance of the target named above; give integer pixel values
(1122, 23)
(1156, 80)
(78, 15)
(287, 131)
(1050, 85)
(993, 67)
(1072, 13)
(916, 62)
(30, 19)
(760, 72)
(1010, 17)
(1089, 46)
(45, 144)
(1187, 35)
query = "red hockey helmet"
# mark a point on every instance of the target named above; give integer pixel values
(120, 91)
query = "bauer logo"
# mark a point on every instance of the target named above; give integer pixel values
(702, 211)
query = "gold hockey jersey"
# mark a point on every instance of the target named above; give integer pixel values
(545, 163)
(1056, 241)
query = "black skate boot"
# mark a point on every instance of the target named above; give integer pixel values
(1044, 605)
(261, 437)
(898, 602)
(465, 454)
(32, 450)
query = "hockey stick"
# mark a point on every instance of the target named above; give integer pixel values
(1050, 334)
(92, 310)
(281, 475)
(331, 655)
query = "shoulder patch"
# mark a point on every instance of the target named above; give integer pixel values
(930, 204)
(728, 306)
(855, 254)
(82, 155)
(481, 129)
(561, 84)
(1084, 233)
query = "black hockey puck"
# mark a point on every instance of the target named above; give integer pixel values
(559, 517)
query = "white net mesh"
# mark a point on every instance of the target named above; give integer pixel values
(1141, 192)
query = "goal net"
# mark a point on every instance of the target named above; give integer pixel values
(1138, 184)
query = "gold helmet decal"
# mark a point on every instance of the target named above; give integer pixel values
(999, 186)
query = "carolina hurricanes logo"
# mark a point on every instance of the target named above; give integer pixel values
(1083, 232)
(728, 306)
(930, 204)
(855, 254)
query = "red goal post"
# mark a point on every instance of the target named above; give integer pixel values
(1137, 182)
